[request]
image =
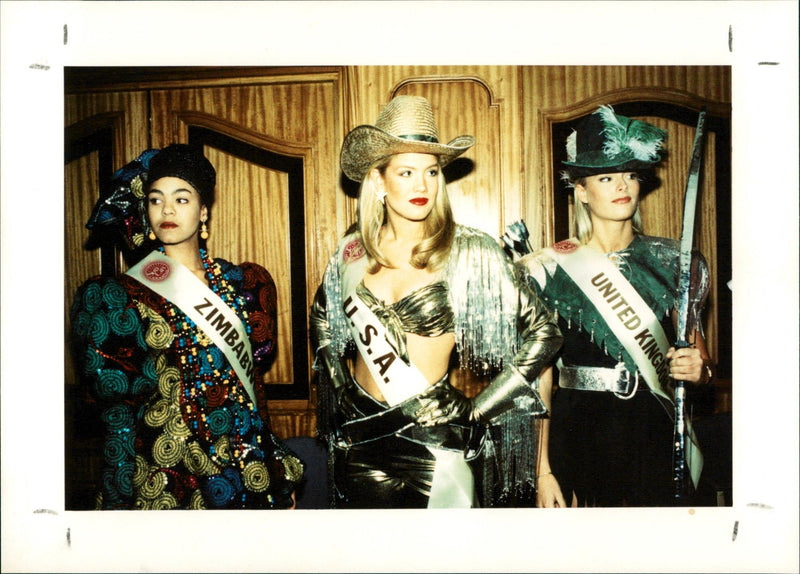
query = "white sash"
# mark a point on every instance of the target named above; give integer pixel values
(174, 282)
(453, 483)
(630, 319)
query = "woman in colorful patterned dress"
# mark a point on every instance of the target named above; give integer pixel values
(173, 350)
(404, 291)
(609, 438)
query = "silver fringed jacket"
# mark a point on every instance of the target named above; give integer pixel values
(501, 327)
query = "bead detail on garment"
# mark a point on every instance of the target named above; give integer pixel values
(189, 436)
(649, 263)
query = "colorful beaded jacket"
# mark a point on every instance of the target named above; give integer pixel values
(180, 429)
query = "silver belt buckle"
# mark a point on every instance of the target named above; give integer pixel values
(625, 382)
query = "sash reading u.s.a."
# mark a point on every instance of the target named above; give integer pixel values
(453, 483)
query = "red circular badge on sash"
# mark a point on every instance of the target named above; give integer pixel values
(352, 251)
(565, 246)
(156, 271)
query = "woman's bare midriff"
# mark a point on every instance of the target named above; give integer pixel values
(431, 355)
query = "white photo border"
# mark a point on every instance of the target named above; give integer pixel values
(758, 39)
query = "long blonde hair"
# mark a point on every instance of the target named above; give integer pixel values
(440, 226)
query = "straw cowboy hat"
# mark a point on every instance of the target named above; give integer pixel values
(405, 125)
(605, 142)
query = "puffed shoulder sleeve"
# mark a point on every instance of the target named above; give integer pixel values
(261, 299)
(111, 335)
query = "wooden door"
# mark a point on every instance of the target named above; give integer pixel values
(273, 140)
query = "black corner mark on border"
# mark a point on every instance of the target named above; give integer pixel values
(769, 63)
(730, 37)
(66, 34)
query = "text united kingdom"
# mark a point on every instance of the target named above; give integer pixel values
(630, 320)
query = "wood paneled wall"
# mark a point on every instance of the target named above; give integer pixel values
(125, 115)
(305, 113)
(483, 101)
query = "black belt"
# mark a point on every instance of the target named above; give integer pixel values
(399, 421)
(375, 426)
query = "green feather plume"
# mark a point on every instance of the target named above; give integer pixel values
(640, 139)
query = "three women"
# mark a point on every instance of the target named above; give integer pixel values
(406, 291)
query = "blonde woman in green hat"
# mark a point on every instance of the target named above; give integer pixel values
(609, 438)
(403, 293)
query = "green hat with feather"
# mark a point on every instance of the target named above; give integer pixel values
(605, 142)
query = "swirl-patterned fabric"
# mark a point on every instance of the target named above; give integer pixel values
(181, 431)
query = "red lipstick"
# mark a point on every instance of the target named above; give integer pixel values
(622, 200)
(419, 201)
(168, 225)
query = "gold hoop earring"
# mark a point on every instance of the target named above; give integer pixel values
(204, 231)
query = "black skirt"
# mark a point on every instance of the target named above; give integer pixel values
(610, 451)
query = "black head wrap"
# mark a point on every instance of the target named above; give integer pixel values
(121, 206)
(188, 163)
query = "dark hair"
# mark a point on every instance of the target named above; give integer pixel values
(189, 164)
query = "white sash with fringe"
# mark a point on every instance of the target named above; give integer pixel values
(173, 281)
(631, 320)
(453, 483)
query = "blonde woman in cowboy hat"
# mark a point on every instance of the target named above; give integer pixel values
(609, 437)
(404, 292)
(172, 349)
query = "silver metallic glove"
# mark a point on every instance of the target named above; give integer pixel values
(443, 404)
